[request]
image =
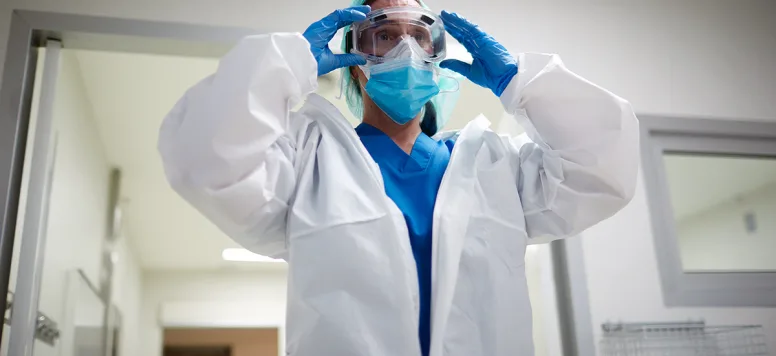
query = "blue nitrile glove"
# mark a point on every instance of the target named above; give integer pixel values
(493, 67)
(320, 33)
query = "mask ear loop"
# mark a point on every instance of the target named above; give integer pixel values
(457, 83)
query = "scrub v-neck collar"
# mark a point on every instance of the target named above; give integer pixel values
(384, 149)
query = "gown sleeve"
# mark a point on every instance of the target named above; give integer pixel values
(228, 145)
(577, 162)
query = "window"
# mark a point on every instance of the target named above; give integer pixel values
(711, 188)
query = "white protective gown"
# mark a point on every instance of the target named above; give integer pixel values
(301, 186)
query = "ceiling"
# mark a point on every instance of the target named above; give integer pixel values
(131, 93)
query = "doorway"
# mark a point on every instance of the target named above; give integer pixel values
(221, 342)
(197, 351)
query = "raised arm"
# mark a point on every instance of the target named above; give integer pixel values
(229, 144)
(578, 162)
(579, 157)
(228, 147)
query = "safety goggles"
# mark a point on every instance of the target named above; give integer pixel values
(385, 29)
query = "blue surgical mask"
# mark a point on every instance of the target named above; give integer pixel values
(401, 87)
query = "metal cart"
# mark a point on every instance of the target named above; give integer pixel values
(682, 339)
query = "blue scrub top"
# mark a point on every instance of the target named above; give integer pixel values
(412, 182)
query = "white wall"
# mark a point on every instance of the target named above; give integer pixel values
(76, 221)
(717, 238)
(128, 297)
(77, 213)
(226, 298)
(542, 293)
(79, 193)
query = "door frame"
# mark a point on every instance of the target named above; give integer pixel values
(30, 30)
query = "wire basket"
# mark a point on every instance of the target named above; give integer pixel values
(682, 339)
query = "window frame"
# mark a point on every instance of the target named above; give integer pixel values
(700, 136)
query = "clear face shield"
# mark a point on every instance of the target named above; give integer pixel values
(384, 32)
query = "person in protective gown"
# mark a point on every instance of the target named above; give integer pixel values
(400, 240)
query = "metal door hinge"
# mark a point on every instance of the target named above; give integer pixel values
(46, 329)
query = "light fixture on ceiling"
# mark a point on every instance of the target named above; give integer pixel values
(243, 255)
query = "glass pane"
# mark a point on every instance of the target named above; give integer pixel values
(89, 328)
(725, 211)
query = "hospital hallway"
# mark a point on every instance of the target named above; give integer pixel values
(102, 257)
